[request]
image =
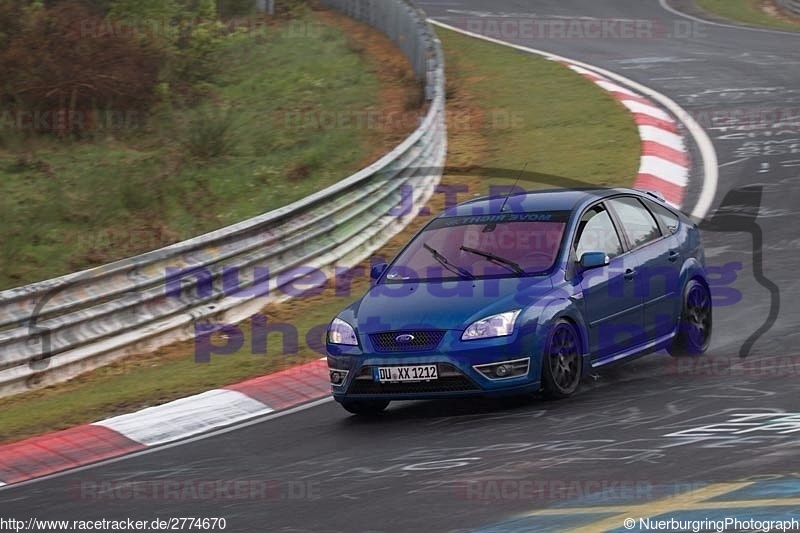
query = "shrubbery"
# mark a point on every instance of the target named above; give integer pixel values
(63, 61)
(59, 78)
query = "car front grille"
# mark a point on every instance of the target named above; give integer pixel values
(418, 341)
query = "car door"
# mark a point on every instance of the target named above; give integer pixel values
(657, 277)
(612, 309)
(663, 309)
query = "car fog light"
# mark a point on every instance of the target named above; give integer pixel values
(337, 376)
(505, 369)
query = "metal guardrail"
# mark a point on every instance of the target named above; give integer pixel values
(791, 5)
(56, 329)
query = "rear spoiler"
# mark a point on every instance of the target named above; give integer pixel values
(655, 194)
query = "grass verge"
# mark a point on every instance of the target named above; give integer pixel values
(506, 109)
(755, 12)
(264, 134)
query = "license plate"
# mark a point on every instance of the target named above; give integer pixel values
(406, 373)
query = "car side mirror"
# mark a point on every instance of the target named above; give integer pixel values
(377, 270)
(591, 260)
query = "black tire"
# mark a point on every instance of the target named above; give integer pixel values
(695, 323)
(365, 407)
(562, 363)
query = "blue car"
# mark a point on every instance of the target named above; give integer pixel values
(523, 293)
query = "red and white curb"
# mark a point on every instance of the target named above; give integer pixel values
(89, 443)
(664, 165)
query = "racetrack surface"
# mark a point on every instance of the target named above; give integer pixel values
(684, 435)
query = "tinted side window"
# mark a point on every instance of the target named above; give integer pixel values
(638, 224)
(667, 218)
(596, 233)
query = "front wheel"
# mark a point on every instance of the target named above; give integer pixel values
(365, 407)
(694, 327)
(562, 362)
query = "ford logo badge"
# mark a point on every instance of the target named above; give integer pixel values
(404, 339)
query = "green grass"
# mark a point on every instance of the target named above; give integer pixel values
(561, 124)
(566, 126)
(748, 12)
(72, 205)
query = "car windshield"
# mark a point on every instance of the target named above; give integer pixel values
(476, 247)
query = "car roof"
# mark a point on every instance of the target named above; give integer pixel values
(540, 200)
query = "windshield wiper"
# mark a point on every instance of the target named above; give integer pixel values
(442, 260)
(502, 261)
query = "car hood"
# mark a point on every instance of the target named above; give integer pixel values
(444, 305)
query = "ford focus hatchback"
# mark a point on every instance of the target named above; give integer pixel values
(523, 293)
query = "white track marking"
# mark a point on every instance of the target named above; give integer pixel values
(186, 417)
(729, 163)
(667, 138)
(580, 70)
(614, 88)
(639, 107)
(665, 170)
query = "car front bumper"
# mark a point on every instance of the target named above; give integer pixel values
(462, 370)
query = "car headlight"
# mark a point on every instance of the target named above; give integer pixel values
(492, 326)
(340, 332)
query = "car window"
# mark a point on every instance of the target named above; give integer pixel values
(482, 247)
(596, 233)
(667, 218)
(637, 222)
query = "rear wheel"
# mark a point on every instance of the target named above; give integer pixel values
(694, 328)
(365, 407)
(562, 362)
